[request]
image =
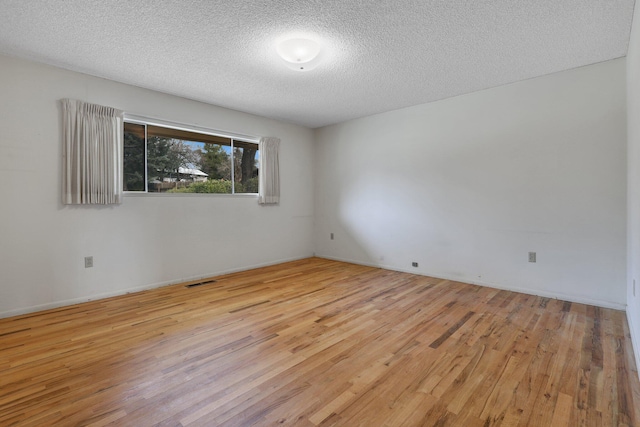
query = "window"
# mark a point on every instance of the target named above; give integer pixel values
(159, 159)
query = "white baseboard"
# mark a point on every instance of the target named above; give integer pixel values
(635, 338)
(72, 301)
(555, 295)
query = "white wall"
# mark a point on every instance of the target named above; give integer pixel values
(633, 191)
(146, 241)
(467, 186)
(464, 186)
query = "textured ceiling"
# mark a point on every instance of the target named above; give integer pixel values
(378, 55)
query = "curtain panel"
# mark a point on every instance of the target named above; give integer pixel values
(269, 180)
(92, 138)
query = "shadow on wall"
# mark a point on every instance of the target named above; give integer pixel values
(472, 209)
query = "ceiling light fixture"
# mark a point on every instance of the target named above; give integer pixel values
(299, 54)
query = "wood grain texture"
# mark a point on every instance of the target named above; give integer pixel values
(319, 343)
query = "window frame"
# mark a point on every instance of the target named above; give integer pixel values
(233, 136)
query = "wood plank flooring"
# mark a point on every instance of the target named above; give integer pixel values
(319, 343)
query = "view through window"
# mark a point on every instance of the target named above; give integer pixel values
(165, 160)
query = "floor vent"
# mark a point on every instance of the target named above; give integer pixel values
(193, 285)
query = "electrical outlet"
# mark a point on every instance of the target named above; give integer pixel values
(88, 262)
(331, 236)
(414, 264)
(532, 257)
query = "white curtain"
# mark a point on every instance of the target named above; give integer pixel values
(92, 138)
(269, 186)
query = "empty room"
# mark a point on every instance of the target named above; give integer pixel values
(335, 213)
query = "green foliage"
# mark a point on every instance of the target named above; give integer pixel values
(215, 162)
(133, 162)
(220, 186)
(211, 186)
(251, 186)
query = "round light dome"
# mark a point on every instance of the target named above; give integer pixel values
(299, 54)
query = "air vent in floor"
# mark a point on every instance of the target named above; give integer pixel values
(193, 285)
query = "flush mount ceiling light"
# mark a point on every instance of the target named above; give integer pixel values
(299, 54)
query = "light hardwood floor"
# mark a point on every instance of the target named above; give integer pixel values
(319, 343)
